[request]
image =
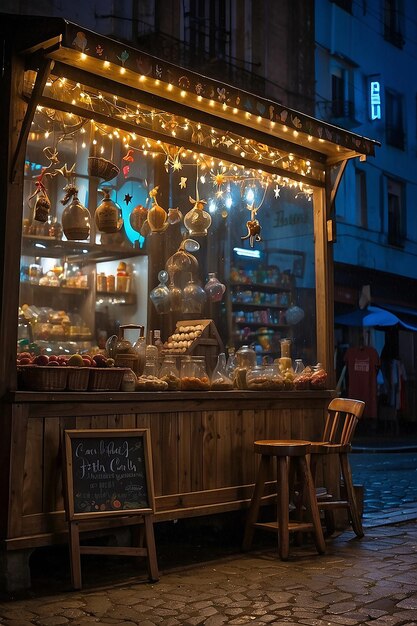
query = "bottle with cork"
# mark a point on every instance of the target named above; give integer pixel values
(122, 278)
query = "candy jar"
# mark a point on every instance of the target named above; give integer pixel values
(129, 380)
(194, 298)
(75, 217)
(160, 296)
(318, 378)
(107, 215)
(214, 288)
(220, 381)
(197, 221)
(169, 373)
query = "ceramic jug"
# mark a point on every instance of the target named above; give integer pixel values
(107, 215)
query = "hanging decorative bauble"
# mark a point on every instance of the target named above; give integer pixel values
(137, 217)
(197, 221)
(182, 260)
(42, 208)
(107, 216)
(214, 288)
(157, 216)
(174, 216)
(75, 217)
(194, 298)
(160, 295)
(102, 168)
(253, 227)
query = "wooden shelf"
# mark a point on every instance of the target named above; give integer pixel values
(74, 251)
(128, 297)
(261, 287)
(259, 306)
(263, 324)
(72, 291)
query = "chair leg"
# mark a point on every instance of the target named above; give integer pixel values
(283, 508)
(253, 509)
(311, 501)
(351, 498)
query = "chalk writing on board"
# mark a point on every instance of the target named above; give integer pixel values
(109, 474)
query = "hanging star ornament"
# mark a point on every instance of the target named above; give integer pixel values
(128, 198)
(183, 182)
(277, 191)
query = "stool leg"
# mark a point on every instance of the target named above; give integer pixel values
(311, 501)
(350, 493)
(253, 509)
(283, 508)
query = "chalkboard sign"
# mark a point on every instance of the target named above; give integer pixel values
(108, 472)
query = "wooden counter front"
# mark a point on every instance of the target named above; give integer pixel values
(202, 448)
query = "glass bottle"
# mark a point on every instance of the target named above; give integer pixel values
(75, 217)
(231, 363)
(219, 379)
(107, 215)
(299, 367)
(197, 221)
(194, 297)
(128, 381)
(246, 359)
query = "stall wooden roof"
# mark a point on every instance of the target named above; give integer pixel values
(161, 82)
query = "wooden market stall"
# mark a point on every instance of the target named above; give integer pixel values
(61, 85)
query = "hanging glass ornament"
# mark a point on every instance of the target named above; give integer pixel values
(197, 221)
(175, 298)
(160, 295)
(107, 216)
(75, 217)
(138, 217)
(174, 216)
(194, 298)
(42, 205)
(157, 216)
(182, 260)
(214, 288)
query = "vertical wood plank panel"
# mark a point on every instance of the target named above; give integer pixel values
(185, 444)
(209, 450)
(32, 483)
(52, 464)
(227, 449)
(197, 436)
(247, 457)
(169, 452)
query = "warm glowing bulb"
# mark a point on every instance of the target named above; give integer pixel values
(169, 87)
(106, 64)
(95, 142)
(235, 110)
(183, 94)
(122, 70)
(199, 98)
(142, 78)
(83, 56)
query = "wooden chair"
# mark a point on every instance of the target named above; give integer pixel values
(284, 451)
(342, 418)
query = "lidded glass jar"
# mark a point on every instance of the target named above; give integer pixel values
(169, 373)
(246, 360)
(129, 380)
(193, 374)
(197, 221)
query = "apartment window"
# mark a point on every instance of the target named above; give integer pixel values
(394, 119)
(396, 212)
(342, 106)
(207, 27)
(361, 199)
(393, 22)
(346, 5)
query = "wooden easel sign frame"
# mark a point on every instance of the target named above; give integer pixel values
(108, 475)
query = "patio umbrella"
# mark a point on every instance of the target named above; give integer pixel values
(370, 316)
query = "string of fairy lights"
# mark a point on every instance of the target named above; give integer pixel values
(65, 125)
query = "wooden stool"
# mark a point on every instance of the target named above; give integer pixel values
(284, 451)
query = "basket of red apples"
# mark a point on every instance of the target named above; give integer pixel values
(41, 372)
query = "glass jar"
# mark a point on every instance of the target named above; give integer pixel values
(160, 296)
(318, 378)
(151, 367)
(197, 221)
(128, 381)
(264, 378)
(193, 374)
(169, 373)
(302, 375)
(246, 360)
(194, 298)
(285, 348)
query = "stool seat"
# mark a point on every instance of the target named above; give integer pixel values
(282, 447)
(291, 456)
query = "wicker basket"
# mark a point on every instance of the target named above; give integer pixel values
(78, 378)
(102, 168)
(105, 378)
(44, 377)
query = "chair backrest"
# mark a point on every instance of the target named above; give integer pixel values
(342, 416)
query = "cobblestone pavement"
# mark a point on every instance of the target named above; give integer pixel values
(371, 581)
(206, 580)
